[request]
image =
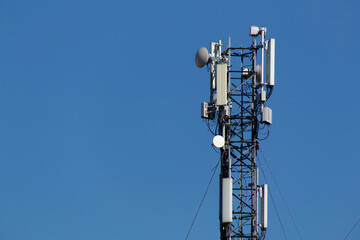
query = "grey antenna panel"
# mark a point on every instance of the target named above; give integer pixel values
(270, 62)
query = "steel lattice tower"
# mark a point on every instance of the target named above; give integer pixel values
(237, 97)
(242, 140)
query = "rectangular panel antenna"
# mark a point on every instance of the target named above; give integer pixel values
(270, 62)
(226, 216)
(221, 83)
(264, 207)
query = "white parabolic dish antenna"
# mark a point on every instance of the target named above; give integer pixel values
(218, 141)
(202, 57)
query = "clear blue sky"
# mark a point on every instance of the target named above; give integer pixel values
(100, 129)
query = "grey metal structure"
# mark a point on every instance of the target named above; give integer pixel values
(236, 111)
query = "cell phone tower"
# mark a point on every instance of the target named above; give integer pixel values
(236, 114)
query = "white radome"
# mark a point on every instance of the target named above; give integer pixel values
(218, 141)
(202, 57)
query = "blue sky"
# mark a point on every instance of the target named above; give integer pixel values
(100, 129)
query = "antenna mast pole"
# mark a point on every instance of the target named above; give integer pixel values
(237, 99)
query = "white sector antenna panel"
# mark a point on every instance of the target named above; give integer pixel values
(264, 207)
(221, 83)
(226, 216)
(270, 62)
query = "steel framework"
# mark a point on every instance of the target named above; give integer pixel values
(242, 139)
(240, 123)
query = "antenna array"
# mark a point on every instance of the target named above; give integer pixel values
(238, 95)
